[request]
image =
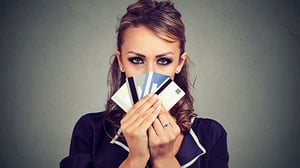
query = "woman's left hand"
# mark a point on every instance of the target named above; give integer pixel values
(162, 138)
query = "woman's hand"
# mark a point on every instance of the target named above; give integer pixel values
(164, 140)
(134, 127)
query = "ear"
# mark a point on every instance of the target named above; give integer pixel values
(118, 55)
(182, 60)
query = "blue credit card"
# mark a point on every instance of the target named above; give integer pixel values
(152, 81)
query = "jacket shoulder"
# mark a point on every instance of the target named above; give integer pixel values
(208, 129)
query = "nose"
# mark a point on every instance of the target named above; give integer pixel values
(150, 67)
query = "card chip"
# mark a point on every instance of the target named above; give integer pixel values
(178, 91)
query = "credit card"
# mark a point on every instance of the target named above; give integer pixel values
(138, 86)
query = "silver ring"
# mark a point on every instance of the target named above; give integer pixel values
(167, 124)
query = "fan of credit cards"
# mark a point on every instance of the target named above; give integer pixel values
(137, 87)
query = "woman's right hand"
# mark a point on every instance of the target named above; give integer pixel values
(134, 127)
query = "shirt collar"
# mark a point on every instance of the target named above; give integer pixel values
(190, 150)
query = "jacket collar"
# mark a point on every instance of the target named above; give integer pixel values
(190, 150)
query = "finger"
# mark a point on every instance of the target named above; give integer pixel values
(151, 132)
(169, 124)
(165, 118)
(146, 109)
(148, 116)
(147, 121)
(136, 110)
(158, 128)
(153, 137)
(140, 125)
(143, 121)
(148, 104)
(136, 106)
(157, 104)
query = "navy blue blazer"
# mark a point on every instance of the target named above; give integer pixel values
(205, 146)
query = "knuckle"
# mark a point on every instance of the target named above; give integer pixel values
(165, 140)
(177, 130)
(157, 143)
(122, 121)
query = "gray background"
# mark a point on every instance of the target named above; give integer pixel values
(54, 61)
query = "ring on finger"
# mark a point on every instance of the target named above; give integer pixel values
(167, 124)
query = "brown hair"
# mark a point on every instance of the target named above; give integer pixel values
(165, 21)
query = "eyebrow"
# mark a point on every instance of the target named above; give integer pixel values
(157, 56)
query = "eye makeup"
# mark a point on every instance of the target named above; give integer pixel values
(136, 60)
(164, 61)
(161, 59)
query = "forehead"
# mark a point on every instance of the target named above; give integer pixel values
(141, 37)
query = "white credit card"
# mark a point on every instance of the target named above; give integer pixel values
(170, 94)
(123, 98)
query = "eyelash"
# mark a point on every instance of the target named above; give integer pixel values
(136, 60)
(164, 61)
(160, 61)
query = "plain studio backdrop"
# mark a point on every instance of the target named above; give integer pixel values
(55, 57)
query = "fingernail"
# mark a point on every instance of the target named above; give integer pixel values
(158, 108)
(159, 102)
(148, 95)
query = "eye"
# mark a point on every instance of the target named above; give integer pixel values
(136, 60)
(164, 61)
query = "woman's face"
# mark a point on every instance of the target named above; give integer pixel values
(143, 51)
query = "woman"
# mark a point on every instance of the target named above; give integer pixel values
(150, 38)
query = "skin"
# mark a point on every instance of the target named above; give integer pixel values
(142, 126)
